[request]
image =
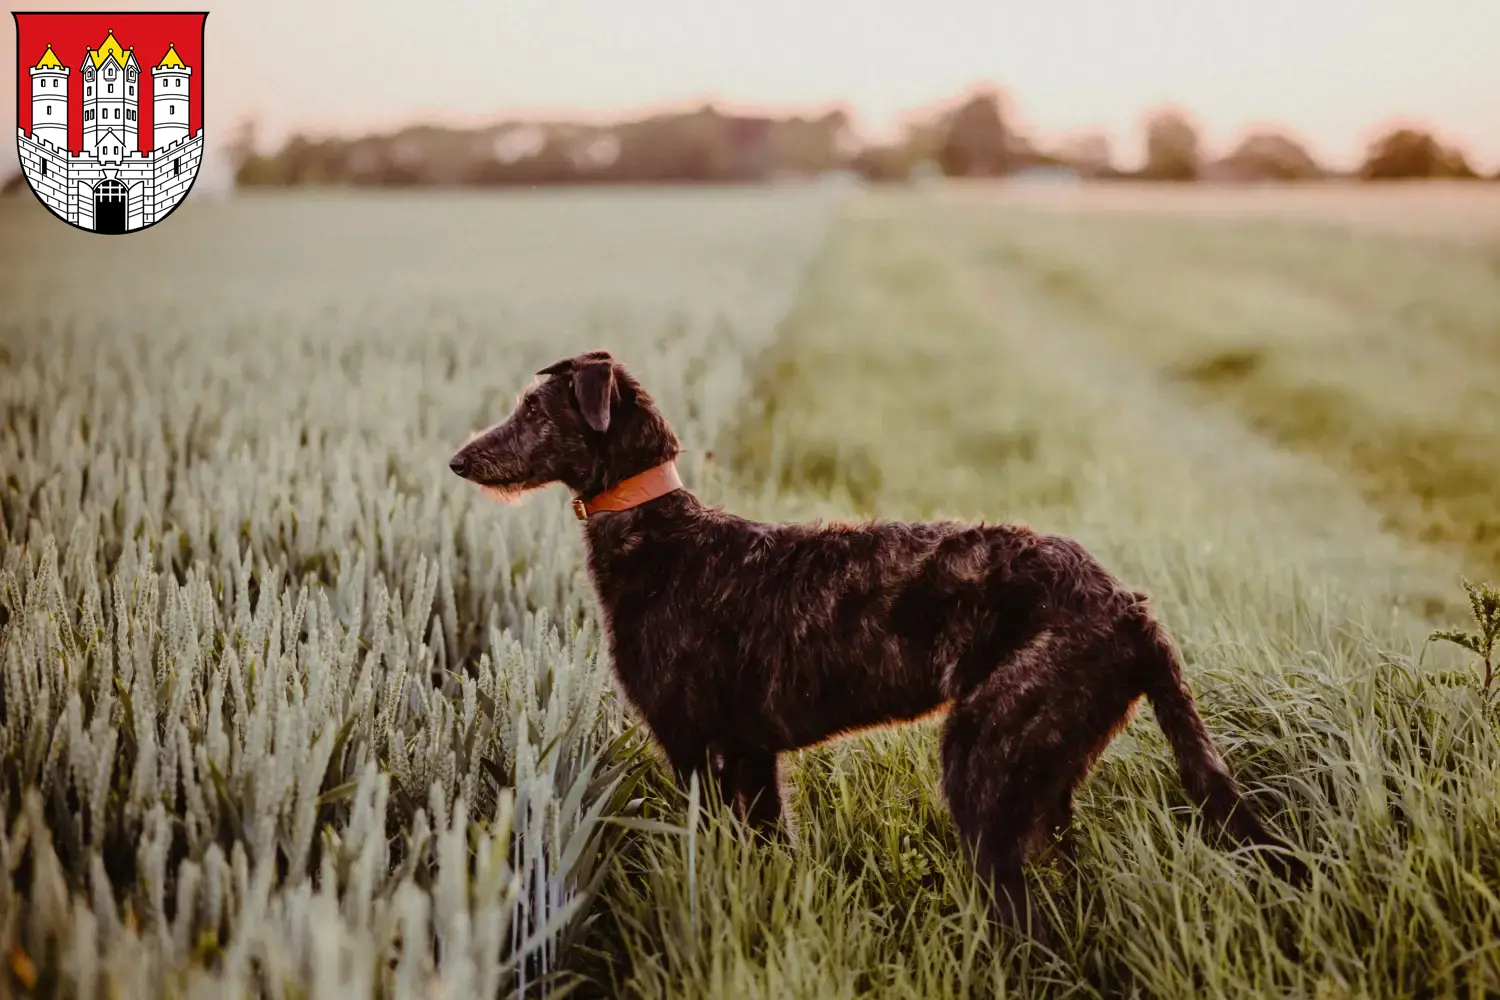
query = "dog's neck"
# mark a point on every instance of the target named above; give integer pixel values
(657, 481)
(641, 442)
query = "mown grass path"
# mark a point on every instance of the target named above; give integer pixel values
(1376, 353)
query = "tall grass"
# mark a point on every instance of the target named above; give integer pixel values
(917, 379)
(285, 709)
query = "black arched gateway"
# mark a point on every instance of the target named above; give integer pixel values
(109, 206)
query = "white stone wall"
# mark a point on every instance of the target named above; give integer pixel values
(137, 193)
(83, 203)
(154, 183)
(52, 185)
(171, 186)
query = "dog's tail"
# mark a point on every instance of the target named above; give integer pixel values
(1204, 774)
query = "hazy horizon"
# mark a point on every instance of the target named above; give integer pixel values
(1327, 76)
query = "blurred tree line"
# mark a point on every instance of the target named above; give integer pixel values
(973, 137)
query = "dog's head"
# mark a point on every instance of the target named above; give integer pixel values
(583, 421)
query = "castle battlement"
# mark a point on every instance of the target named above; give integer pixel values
(33, 140)
(134, 154)
(178, 145)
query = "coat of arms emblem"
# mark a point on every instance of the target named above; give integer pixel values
(110, 114)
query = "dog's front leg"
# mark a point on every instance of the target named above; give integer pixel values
(692, 752)
(753, 787)
(746, 780)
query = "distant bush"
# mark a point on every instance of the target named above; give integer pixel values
(973, 136)
(1172, 147)
(1410, 154)
(977, 141)
(1270, 156)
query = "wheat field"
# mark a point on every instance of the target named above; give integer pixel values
(288, 711)
(281, 701)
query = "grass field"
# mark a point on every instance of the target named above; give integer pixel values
(285, 707)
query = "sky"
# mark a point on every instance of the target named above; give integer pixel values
(1332, 73)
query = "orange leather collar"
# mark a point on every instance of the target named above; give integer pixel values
(632, 492)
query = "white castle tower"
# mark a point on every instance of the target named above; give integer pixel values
(49, 100)
(111, 99)
(170, 86)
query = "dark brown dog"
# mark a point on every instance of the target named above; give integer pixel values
(741, 640)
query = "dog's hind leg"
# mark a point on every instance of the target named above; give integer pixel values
(1001, 789)
(1014, 749)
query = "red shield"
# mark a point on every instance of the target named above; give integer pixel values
(109, 114)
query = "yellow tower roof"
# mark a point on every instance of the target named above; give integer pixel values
(171, 60)
(111, 49)
(49, 60)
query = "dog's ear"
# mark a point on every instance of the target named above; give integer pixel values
(567, 365)
(594, 388)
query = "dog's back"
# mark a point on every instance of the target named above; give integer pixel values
(793, 633)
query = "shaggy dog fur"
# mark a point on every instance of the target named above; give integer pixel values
(738, 641)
